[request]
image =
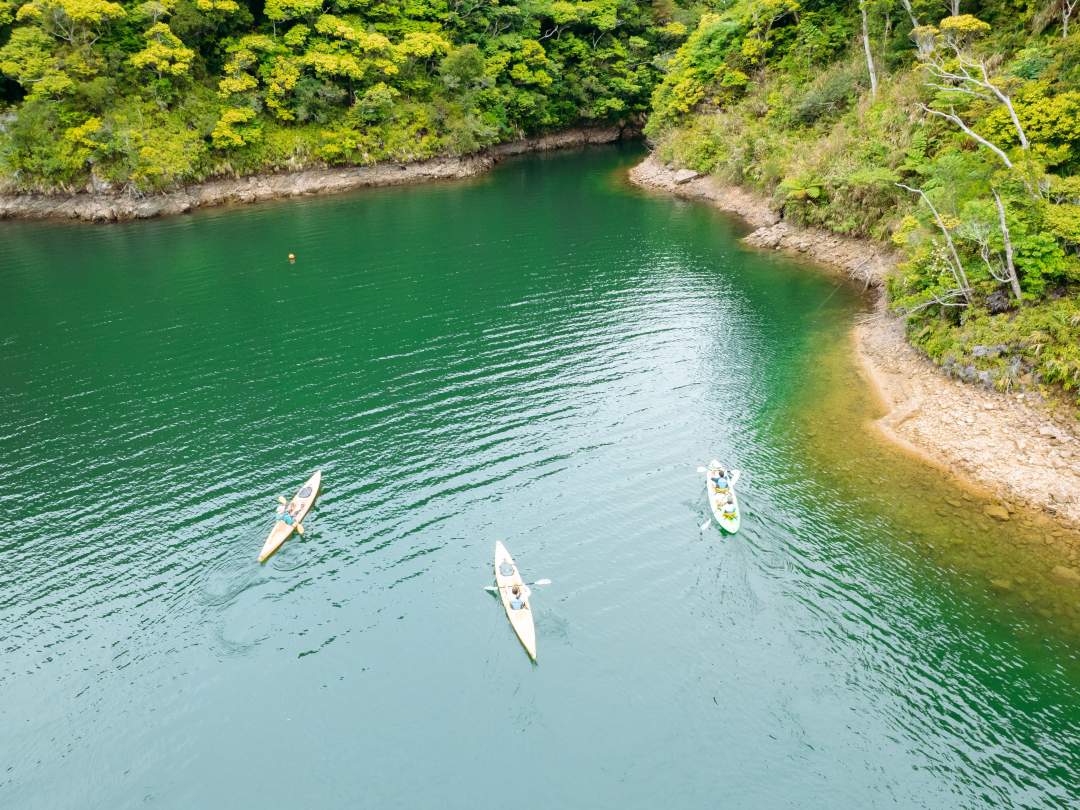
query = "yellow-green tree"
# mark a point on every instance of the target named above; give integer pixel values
(164, 53)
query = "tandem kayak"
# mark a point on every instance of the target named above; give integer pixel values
(723, 501)
(297, 508)
(521, 618)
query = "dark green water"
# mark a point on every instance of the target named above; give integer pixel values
(542, 356)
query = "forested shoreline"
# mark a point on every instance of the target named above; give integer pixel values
(147, 96)
(951, 130)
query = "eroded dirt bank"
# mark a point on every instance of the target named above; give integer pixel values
(107, 206)
(1005, 443)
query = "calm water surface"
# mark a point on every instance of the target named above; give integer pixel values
(543, 356)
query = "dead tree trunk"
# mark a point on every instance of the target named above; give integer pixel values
(910, 12)
(1010, 266)
(1067, 9)
(866, 48)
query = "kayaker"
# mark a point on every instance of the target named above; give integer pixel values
(518, 595)
(720, 480)
(729, 509)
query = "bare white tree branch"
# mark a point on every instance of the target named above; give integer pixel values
(952, 116)
(965, 75)
(1010, 266)
(938, 300)
(957, 266)
(1067, 9)
(911, 12)
(995, 268)
(1004, 99)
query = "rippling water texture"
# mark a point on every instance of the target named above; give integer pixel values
(543, 356)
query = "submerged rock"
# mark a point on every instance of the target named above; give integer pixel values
(1066, 574)
(997, 512)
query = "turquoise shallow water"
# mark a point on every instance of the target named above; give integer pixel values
(542, 356)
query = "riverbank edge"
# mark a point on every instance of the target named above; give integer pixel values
(118, 207)
(1004, 444)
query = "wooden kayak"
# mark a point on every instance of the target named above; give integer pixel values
(521, 619)
(724, 503)
(298, 507)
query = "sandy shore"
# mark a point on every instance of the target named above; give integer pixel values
(111, 207)
(1004, 443)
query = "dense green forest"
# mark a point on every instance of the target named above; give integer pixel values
(952, 129)
(144, 95)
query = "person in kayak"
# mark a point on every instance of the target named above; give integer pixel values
(518, 595)
(729, 509)
(285, 515)
(720, 479)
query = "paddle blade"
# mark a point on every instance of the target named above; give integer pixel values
(299, 529)
(542, 582)
(705, 525)
(281, 500)
(701, 470)
(491, 589)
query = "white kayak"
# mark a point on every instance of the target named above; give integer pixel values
(297, 508)
(723, 502)
(521, 617)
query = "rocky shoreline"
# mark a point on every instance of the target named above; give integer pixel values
(105, 206)
(1005, 443)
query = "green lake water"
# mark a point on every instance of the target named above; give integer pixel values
(544, 356)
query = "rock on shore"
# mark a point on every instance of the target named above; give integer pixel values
(690, 185)
(1003, 442)
(106, 206)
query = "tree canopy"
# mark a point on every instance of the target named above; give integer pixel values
(145, 95)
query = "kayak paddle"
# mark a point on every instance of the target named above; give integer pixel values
(495, 589)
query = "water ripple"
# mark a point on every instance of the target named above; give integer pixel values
(465, 364)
